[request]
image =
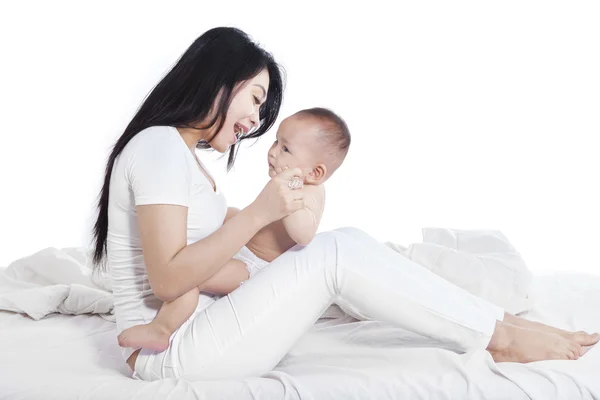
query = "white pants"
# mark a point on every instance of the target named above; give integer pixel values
(249, 331)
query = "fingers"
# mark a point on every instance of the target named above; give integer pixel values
(285, 172)
(296, 195)
(280, 169)
(305, 172)
(297, 204)
(295, 200)
(290, 173)
(295, 184)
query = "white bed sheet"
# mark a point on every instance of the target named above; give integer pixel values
(76, 357)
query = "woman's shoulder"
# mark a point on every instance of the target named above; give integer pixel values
(158, 148)
(155, 137)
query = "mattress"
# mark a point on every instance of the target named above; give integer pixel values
(77, 357)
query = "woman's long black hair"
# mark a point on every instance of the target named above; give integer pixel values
(184, 98)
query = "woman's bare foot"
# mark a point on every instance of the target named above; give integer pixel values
(517, 344)
(148, 336)
(583, 338)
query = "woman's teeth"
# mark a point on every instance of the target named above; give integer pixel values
(239, 131)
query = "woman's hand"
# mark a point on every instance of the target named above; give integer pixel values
(282, 196)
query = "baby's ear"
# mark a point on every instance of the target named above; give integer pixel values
(317, 175)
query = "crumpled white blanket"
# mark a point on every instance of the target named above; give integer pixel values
(55, 281)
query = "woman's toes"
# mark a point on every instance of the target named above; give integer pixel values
(584, 350)
(577, 349)
(585, 338)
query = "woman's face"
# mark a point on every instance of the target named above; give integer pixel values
(243, 113)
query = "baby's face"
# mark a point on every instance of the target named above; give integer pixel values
(295, 145)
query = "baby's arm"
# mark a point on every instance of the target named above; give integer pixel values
(303, 224)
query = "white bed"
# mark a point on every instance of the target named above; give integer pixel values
(76, 357)
(61, 344)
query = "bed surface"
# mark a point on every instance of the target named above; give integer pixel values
(68, 357)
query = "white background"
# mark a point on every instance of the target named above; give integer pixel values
(463, 114)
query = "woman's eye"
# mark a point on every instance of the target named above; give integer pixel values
(256, 100)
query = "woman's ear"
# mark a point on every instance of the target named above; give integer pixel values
(317, 175)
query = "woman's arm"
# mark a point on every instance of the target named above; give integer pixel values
(174, 267)
(231, 275)
(231, 212)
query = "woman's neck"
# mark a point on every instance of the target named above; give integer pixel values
(192, 136)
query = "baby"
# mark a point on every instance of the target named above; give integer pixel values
(315, 140)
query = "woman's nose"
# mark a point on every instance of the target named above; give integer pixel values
(255, 118)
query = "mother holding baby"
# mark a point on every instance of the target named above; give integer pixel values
(171, 244)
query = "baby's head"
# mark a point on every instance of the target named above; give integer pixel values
(315, 139)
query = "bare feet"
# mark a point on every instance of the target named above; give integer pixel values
(148, 336)
(517, 344)
(580, 337)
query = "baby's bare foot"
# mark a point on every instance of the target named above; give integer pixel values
(517, 344)
(148, 336)
(580, 337)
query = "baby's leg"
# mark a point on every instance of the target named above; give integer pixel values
(155, 335)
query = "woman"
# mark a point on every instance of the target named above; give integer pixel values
(161, 224)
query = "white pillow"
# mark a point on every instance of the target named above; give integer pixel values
(482, 262)
(470, 241)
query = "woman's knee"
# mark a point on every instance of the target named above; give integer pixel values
(330, 241)
(327, 239)
(353, 232)
(326, 249)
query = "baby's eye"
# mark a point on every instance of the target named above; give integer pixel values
(284, 148)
